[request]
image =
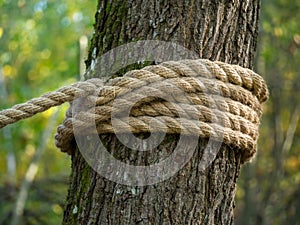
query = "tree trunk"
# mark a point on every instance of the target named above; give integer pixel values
(217, 30)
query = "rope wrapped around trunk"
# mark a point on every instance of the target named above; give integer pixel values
(208, 99)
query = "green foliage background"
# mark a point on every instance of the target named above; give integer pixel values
(269, 187)
(39, 52)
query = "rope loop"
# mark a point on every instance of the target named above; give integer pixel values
(192, 97)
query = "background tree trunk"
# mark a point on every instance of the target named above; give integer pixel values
(217, 30)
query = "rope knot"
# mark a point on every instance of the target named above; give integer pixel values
(188, 97)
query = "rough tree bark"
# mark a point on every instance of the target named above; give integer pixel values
(217, 30)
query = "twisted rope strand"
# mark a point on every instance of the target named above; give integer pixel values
(46, 101)
(174, 126)
(191, 97)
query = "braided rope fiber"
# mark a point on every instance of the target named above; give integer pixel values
(209, 99)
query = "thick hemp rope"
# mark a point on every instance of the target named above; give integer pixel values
(190, 97)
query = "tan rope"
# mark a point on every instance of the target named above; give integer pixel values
(209, 99)
(41, 104)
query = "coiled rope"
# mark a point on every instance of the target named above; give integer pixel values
(209, 99)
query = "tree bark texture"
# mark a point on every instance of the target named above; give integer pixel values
(217, 30)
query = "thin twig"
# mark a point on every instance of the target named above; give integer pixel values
(7, 144)
(291, 130)
(32, 171)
